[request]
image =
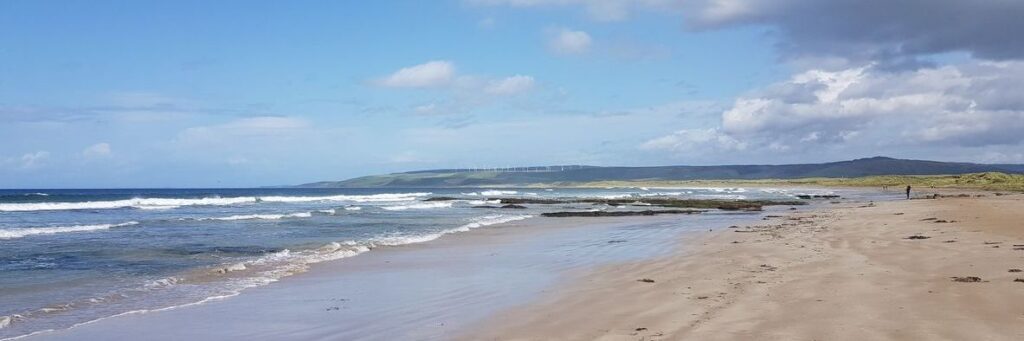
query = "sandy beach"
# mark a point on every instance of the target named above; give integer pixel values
(940, 269)
(930, 269)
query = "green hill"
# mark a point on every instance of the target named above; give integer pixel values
(574, 175)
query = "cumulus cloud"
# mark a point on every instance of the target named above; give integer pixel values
(965, 105)
(510, 85)
(892, 32)
(99, 150)
(27, 160)
(889, 31)
(430, 74)
(695, 140)
(566, 41)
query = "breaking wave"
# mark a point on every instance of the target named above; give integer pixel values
(171, 203)
(12, 233)
(419, 206)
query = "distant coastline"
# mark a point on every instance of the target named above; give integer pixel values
(868, 172)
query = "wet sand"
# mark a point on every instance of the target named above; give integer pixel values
(431, 290)
(845, 272)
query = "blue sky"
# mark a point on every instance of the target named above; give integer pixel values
(245, 93)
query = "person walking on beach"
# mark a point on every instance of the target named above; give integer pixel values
(908, 192)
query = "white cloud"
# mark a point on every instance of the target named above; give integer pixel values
(510, 85)
(695, 140)
(966, 104)
(430, 74)
(960, 107)
(250, 127)
(566, 41)
(27, 160)
(99, 150)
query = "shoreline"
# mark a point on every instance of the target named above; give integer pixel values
(846, 272)
(454, 280)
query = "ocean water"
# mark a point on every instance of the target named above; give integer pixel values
(72, 256)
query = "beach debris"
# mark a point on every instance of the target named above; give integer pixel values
(967, 279)
(333, 308)
(898, 213)
(702, 297)
(950, 241)
(641, 329)
(927, 219)
(941, 221)
(1018, 247)
(992, 243)
(767, 267)
(1015, 270)
(645, 280)
(1021, 280)
(917, 236)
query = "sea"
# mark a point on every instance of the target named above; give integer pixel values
(71, 256)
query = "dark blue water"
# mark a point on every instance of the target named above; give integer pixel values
(71, 256)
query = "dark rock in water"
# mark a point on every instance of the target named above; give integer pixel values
(645, 280)
(967, 279)
(486, 206)
(817, 196)
(746, 205)
(440, 199)
(513, 206)
(616, 213)
(530, 201)
(918, 237)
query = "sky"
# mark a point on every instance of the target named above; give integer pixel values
(251, 93)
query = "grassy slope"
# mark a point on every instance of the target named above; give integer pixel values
(868, 171)
(987, 181)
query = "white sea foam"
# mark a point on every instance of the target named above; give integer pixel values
(353, 208)
(386, 197)
(170, 203)
(12, 233)
(498, 192)
(262, 216)
(477, 223)
(419, 206)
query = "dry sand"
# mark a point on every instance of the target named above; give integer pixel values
(848, 272)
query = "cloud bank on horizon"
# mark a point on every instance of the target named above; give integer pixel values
(324, 93)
